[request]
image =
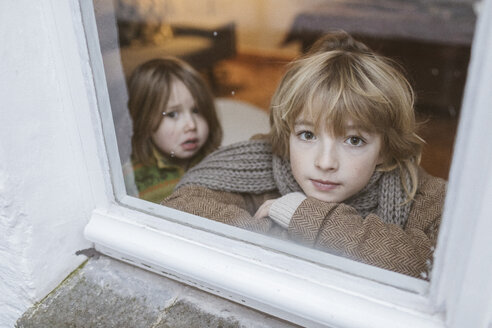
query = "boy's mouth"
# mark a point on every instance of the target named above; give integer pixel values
(324, 185)
(190, 144)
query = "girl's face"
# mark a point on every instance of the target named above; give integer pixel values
(183, 130)
(332, 168)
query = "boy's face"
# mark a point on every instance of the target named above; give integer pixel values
(183, 130)
(333, 168)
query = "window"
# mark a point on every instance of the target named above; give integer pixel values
(223, 259)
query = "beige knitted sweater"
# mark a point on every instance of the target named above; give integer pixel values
(332, 227)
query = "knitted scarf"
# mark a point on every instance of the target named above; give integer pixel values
(250, 167)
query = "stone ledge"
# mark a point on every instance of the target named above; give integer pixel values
(108, 293)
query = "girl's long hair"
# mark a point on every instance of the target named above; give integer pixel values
(149, 91)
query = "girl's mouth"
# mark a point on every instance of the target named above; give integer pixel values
(190, 144)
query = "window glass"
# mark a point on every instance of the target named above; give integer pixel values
(241, 50)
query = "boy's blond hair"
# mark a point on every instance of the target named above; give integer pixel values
(149, 90)
(341, 79)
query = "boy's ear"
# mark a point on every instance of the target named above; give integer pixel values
(380, 159)
(383, 159)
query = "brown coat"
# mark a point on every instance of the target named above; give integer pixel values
(333, 227)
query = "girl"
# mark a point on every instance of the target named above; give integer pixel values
(339, 169)
(174, 124)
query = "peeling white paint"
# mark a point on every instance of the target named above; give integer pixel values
(44, 202)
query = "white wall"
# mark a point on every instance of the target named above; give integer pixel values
(45, 199)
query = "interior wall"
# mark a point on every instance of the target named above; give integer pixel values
(45, 197)
(261, 25)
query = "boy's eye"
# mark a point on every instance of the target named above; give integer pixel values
(355, 141)
(306, 135)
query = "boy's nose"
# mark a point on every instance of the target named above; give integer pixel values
(327, 157)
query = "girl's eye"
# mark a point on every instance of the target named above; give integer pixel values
(355, 141)
(306, 135)
(195, 110)
(172, 114)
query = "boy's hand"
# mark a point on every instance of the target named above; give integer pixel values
(263, 210)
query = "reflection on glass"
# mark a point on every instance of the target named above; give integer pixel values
(242, 50)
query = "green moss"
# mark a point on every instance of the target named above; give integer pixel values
(32, 310)
(67, 278)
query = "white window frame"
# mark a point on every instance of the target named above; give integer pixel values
(277, 277)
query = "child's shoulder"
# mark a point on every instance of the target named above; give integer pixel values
(431, 185)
